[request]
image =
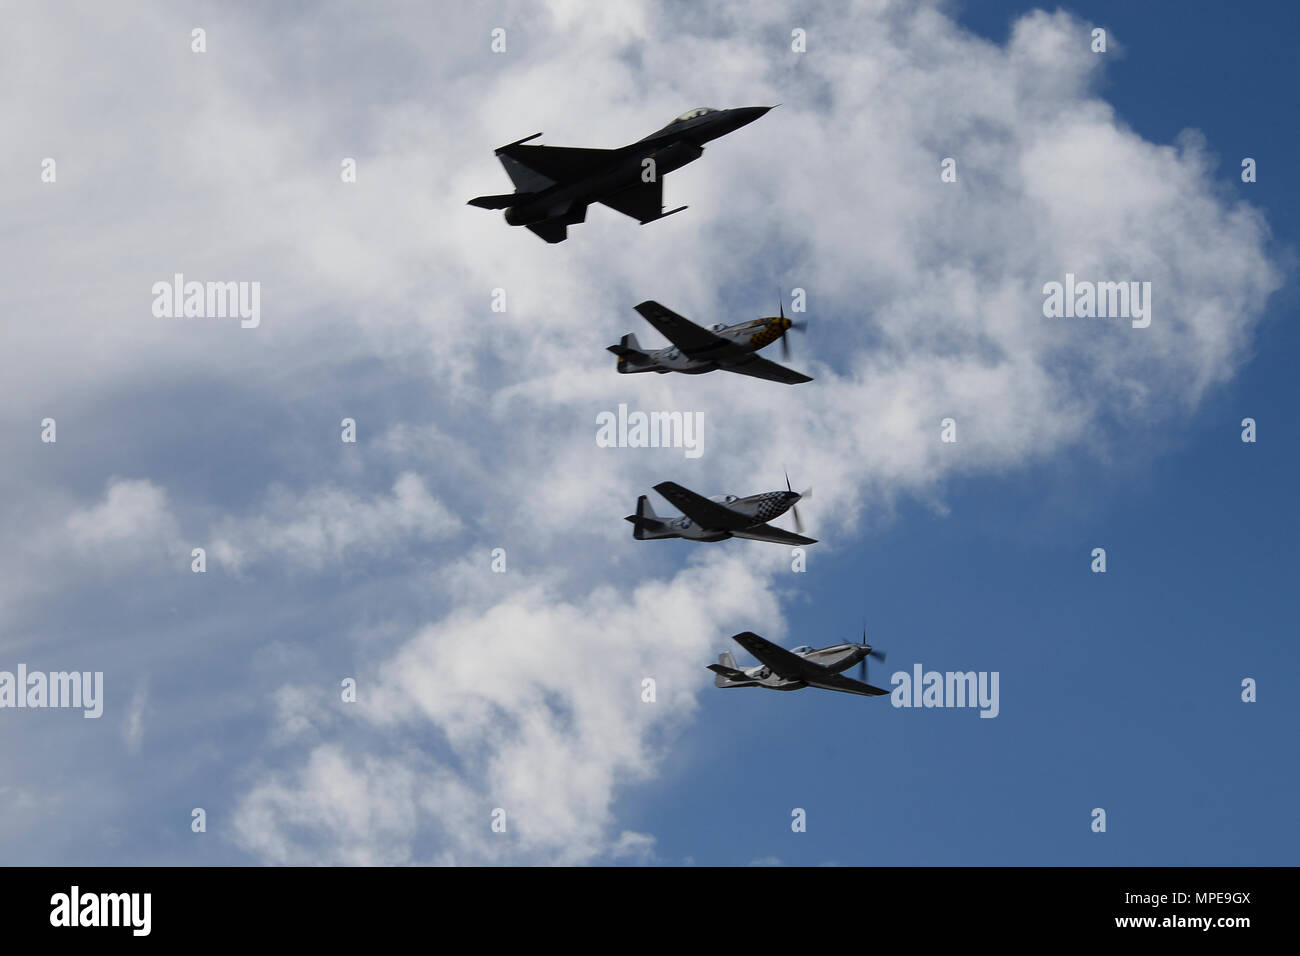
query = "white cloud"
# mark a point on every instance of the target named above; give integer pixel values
(328, 524)
(133, 733)
(542, 702)
(133, 520)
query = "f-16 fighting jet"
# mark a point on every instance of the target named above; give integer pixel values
(696, 350)
(555, 184)
(719, 517)
(798, 668)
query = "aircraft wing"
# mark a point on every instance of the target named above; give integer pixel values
(765, 532)
(845, 684)
(778, 659)
(705, 513)
(683, 333)
(643, 202)
(762, 368)
(560, 164)
(552, 230)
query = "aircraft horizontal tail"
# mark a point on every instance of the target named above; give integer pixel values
(646, 522)
(629, 353)
(501, 201)
(727, 674)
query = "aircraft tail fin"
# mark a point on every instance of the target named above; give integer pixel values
(727, 674)
(525, 179)
(646, 522)
(629, 353)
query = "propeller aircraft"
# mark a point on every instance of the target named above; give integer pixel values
(720, 517)
(800, 667)
(696, 350)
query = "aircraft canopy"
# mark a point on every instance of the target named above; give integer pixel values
(691, 114)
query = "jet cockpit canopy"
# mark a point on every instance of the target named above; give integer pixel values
(692, 114)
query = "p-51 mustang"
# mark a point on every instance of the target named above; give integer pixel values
(695, 349)
(719, 517)
(798, 668)
(555, 184)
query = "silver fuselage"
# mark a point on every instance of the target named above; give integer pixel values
(741, 339)
(836, 658)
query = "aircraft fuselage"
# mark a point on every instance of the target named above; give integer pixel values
(836, 658)
(670, 148)
(742, 338)
(762, 508)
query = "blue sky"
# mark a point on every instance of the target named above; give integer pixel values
(520, 690)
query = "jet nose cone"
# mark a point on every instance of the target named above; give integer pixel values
(747, 114)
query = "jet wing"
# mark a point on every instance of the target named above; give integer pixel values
(705, 513)
(765, 532)
(552, 230)
(778, 659)
(560, 164)
(683, 333)
(845, 684)
(643, 202)
(762, 368)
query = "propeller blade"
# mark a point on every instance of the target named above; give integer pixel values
(798, 522)
(785, 345)
(787, 480)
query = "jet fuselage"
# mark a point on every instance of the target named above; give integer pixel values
(680, 142)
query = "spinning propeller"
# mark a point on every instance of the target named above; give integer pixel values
(798, 326)
(794, 509)
(874, 652)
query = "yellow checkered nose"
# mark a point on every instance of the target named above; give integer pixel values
(786, 323)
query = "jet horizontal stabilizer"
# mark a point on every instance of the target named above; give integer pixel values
(502, 201)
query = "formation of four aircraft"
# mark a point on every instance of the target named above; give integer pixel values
(554, 185)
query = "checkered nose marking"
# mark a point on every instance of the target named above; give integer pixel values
(772, 504)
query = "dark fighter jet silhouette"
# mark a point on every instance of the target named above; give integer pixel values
(555, 184)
